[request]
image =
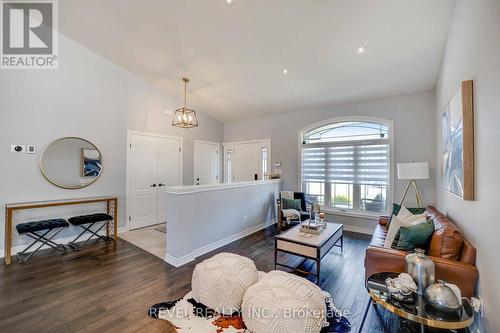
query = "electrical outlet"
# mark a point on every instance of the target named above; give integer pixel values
(17, 149)
(245, 219)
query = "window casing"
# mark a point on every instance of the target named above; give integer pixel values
(346, 164)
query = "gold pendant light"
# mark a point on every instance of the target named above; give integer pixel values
(184, 117)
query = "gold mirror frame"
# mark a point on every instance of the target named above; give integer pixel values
(44, 172)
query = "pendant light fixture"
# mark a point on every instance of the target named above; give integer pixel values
(184, 117)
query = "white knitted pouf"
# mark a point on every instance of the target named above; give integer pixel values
(221, 281)
(284, 303)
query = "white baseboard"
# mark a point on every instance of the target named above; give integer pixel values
(177, 262)
(361, 230)
(16, 249)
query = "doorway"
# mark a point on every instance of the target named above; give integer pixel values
(247, 160)
(154, 162)
(206, 162)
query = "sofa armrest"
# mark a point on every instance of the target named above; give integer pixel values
(464, 275)
(384, 220)
(380, 259)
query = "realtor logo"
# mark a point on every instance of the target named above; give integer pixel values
(29, 34)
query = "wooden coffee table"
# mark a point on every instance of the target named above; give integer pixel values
(314, 247)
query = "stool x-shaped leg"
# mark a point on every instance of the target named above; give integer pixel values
(44, 240)
(92, 232)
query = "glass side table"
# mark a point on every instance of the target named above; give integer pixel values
(417, 311)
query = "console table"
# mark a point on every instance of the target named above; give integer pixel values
(111, 208)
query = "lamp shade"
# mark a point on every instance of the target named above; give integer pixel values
(418, 170)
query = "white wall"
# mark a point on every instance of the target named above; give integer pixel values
(473, 52)
(414, 132)
(89, 97)
(207, 217)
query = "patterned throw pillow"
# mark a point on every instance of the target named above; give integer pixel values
(415, 210)
(396, 208)
(291, 204)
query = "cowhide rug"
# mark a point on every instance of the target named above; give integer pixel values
(187, 315)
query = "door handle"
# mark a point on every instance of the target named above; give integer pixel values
(160, 184)
(154, 185)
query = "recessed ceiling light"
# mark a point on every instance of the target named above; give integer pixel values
(362, 49)
(285, 71)
(230, 2)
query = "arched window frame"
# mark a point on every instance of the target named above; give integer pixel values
(390, 194)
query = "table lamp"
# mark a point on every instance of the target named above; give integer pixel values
(412, 172)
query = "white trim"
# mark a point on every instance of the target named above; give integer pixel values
(244, 142)
(65, 240)
(127, 172)
(333, 211)
(177, 262)
(359, 230)
(389, 122)
(190, 189)
(196, 141)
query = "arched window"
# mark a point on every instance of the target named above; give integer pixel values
(346, 164)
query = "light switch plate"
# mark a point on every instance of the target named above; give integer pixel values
(31, 149)
(17, 149)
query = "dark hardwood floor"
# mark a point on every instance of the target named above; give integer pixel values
(109, 287)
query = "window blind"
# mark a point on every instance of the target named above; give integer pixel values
(357, 164)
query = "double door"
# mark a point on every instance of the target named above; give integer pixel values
(155, 163)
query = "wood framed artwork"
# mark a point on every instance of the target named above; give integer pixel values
(458, 143)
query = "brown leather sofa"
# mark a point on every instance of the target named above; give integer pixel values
(453, 255)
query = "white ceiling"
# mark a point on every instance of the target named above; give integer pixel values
(235, 54)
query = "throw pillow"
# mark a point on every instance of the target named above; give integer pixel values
(415, 236)
(413, 210)
(394, 228)
(404, 213)
(398, 234)
(416, 217)
(291, 204)
(396, 208)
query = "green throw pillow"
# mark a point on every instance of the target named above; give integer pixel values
(414, 236)
(396, 208)
(291, 204)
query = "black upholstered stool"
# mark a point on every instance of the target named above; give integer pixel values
(86, 222)
(40, 231)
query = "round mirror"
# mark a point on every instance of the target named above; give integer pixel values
(71, 163)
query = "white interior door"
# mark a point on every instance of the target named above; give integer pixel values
(169, 171)
(143, 175)
(206, 162)
(154, 164)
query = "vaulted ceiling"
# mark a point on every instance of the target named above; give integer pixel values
(235, 55)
